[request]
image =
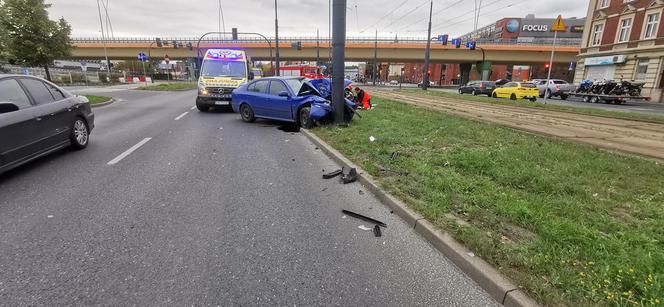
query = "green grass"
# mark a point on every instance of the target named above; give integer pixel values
(180, 86)
(97, 99)
(573, 224)
(540, 105)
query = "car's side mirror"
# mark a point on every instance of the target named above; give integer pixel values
(251, 75)
(7, 107)
(284, 94)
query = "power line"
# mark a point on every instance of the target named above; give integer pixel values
(439, 11)
(447, 23)
(408, 13)
(383, 17)
(496, 10)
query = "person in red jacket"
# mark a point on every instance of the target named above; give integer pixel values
(362, 97)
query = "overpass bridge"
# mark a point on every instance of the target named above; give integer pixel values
(406, 50)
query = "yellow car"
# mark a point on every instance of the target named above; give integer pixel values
(517, 90)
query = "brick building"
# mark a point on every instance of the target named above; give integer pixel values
(624, 39)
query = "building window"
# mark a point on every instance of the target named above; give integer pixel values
(604, 4)
(625, 29)
(652, 24)
(641, 69)
(598, 31)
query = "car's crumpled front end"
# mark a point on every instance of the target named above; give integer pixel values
(322, 110)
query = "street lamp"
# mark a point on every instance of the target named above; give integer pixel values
(103, 42)
(276, 38)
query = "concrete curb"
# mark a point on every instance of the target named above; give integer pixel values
(97, 105)
(486, 276)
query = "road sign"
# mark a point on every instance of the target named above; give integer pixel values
(456, 42)
(443, 39)
(559, 25)
(142, 57)
(571, 66)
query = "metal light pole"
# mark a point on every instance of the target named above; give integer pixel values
(427, 53)
(317, 48)
(338, 60)
(375, 62)
(103, 41)
(276, 39)
(548, 78)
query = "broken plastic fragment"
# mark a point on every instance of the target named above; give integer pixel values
(376, 231)
(362, 217)
(372, 139)
(349, 175)
(333, 174)
(365, 228)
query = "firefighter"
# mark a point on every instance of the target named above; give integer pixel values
(362, 97)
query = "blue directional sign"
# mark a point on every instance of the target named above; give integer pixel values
(456, 42)
(471, 45)
(571, 66)
(443, 39)
(142, 57)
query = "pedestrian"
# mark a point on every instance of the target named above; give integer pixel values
(362, 97)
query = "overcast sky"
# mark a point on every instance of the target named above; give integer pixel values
(186, 18)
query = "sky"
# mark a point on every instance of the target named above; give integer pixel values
(402, 18)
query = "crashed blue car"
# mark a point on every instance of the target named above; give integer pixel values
(291, 99)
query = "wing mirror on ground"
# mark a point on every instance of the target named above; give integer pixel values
(7, 107)
(284, 94)
(251, 75)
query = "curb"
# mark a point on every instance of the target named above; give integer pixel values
(486, 276)
(97, 105)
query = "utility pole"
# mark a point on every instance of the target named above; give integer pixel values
(276, 39)
(375, 62)
(427, 53)
(339, 60)
(103, 41)
(548, 78)
(317, 48)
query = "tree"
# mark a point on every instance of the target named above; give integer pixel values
(31, 38)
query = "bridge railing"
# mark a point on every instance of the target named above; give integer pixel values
(308, 39)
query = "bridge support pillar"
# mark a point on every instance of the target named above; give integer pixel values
(465, 69)
(484, 70)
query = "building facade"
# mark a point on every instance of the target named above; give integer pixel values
(528, 29)
(624, 39)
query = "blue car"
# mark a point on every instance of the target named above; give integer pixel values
(292, 99)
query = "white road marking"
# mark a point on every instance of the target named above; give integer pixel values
(128, 152)
(193, 108)
(181, 115)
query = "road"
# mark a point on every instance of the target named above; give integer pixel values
(206, 210)
(652, 108)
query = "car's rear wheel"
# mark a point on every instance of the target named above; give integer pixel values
(533, 99)
(494, 95)
(513, 97)
(460, 92)
(304, 118)
(474, 93)
(80, 134)
(247, 113)
(564, 96)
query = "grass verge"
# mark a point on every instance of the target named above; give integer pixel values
(540, 105)
(180, 86)
(97, 99)
(572, 224)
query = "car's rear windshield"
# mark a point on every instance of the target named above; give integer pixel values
(489, 83)
(527, 85)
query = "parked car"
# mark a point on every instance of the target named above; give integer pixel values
(431, 83)
(37, 118)
(517, 90)
(501, 82)
(478, 88)
(557, 88)
(291, 99)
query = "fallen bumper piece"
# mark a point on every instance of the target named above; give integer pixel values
(365, 218)
(333, 174)
(349, 175)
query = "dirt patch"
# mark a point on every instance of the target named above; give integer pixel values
(629, 136)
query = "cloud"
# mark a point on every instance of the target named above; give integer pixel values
(177, 18)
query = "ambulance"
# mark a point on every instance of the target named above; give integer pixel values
(222, 71)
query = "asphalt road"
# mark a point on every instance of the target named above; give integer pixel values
(208, 210)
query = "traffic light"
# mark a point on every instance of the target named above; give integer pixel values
(546, 66)
(297, 45)
(175, 44)
(158, 41)
(190, 46)
(234, 31)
